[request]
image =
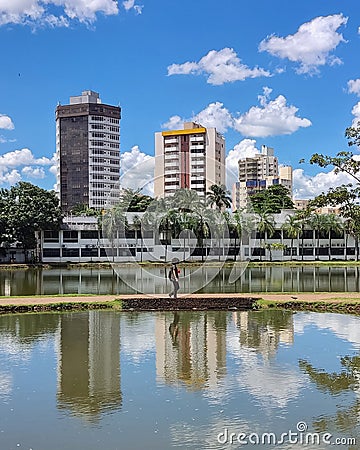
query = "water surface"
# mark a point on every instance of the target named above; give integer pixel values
(152, 280)
(115, 380)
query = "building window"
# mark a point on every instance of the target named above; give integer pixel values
(51, 252)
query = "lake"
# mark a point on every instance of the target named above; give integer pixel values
(153, 280)
(188, 380)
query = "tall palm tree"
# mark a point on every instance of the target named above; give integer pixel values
(219, 196)
(317, 222)
(136, 224)
(265, 226)
(292, 228)
(332, 223)
(303, 216)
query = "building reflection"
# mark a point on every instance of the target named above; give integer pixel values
(264, 331)
(89, 382)
(191, 348)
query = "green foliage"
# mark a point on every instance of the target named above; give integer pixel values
(218, 196)
(84, 210)
(133, 201)
(26, 208)
(273, 199)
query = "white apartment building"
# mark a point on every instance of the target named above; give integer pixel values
(192, 158)
(257, 173)
(88, 152)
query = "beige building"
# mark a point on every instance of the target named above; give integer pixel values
(192, 158)
(257, 173)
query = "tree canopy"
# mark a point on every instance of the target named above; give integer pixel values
(24, 209)
(273, 199)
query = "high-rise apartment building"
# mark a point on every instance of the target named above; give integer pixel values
(192, 158)
(88, 152)
(257, 173)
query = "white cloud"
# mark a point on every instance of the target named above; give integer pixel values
(137, 170)
(174, 123)
(272, 119)
(306, 186)
(311, 45)
(33, 12)
(244, 149)
(6, 123)
(356, 113)
(354, 86)
(130, 4)
(33, 172)
(26, 162)
(215, 116)
(223, 66)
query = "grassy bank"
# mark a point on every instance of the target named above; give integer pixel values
(320, 302)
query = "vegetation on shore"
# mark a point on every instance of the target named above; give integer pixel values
(335, 305)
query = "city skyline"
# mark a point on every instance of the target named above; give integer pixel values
(262, 74)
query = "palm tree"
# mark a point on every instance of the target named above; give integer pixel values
(113, 223)
(303, 216)
(332, 223)
(137, 227)
(265, 226)
(219, 196)
(317, 222)
(292, 228)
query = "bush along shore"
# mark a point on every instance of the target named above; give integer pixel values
(318, 302)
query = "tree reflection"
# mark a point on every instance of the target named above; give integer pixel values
(335, 384)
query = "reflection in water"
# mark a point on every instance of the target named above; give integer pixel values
(345, 419)
(182, 376)
(191, 348)
(89, 366)
(153, 280)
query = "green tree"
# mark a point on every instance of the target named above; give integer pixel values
(25, 209)
(292, 228)
(219, 196)
(84, 210)
(265, 226)
(346, 197)
(332, 224)
(273, 199)
(318, 223)
(132, 200)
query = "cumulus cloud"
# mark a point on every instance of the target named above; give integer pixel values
(215, 115)
(33, 172)
(6, 123)
(311, 45)
(244, 149)
(272, 118)
(33, 12)
(130, 4)
(137, 170)
(354, 87)
(174, 123)
(223, 66)
(356, 113)
(14, 165)
(306, 186)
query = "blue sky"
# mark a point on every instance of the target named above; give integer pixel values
(284, 74)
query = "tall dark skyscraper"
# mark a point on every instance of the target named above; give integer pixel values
(88, 152)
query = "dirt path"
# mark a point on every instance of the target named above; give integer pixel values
(279, 297)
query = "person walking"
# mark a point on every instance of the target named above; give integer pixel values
(174, 278)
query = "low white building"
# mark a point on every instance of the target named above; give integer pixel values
(81, 241)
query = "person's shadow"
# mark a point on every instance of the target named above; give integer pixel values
(174, 329)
